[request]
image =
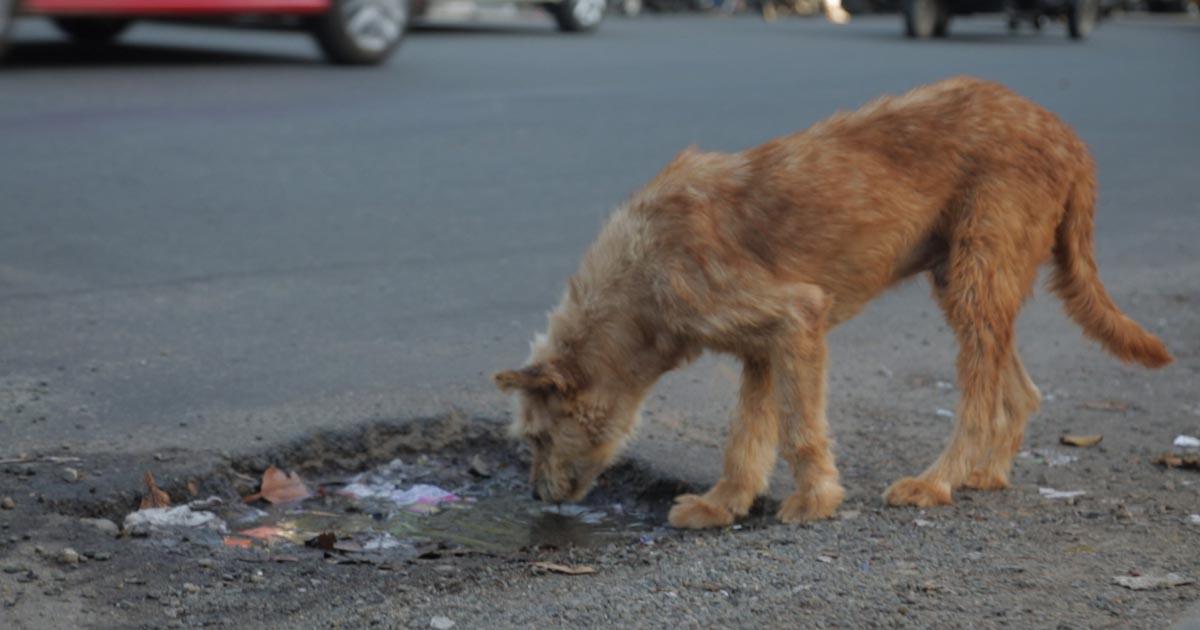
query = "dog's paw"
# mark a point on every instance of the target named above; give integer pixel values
(693, 512)
(918, 492)
(815, 504)
(980, 479)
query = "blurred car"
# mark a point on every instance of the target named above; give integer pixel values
(931, 18)
(1191, 7)
(573, 16)
(356, 32)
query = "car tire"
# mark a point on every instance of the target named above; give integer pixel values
(361, 32)
(91, 30)
(7, 13)
(1082, 16)
(578, 16)
(926, 18)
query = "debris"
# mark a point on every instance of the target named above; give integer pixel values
(479, 468)
(154, 497)
(205, 563)
(825, 559)
(142, 521)
(192, 488)
(1114, 406)
(421, 498)
(884, 371)
(565, 569)
(70, 475)
(441, 623)
(1194, 519)
(68, 556)
(944, 413)
(1186, 441)
(1049, 456)
(25, 458)
(265, 533)
(847, 515)
(103, 524)
(581, 512)
(920, 522)
(1082, 441)
(1051, 493)
(1172, 460)
(100, 556)
(325, 541)
(280, 487)
(190, 587)
(237, 542)
(944, 385)
(7, 503)
(1151, 582)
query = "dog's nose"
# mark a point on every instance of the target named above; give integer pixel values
(534, 493)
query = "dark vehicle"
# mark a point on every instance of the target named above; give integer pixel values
(931, 18)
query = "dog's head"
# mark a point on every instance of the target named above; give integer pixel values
(574, 423)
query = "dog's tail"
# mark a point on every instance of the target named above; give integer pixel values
(1076, 280)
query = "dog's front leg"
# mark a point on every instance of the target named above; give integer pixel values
(799, 366)
(749, 456)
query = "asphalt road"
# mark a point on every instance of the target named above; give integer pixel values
(210, 241)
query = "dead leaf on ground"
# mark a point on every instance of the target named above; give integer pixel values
(326, 541)
(1171, 460)
(579, 569)
(238, 542)
(1082, 441)
(192, 487)
(280, 487)
(154, 497)
(1115, 406)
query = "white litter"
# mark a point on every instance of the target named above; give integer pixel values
(1186, 441)
(419, 498)
(944, 385)
(945, 413)
(922, 523)
(142, 521)
(1194, 519)
(1051, 493)
(382, 541)
(583, 513)
(1151, 582)
(441, 623)
(1049, 456)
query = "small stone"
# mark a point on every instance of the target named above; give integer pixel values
(13, 568)
(441, 623)
(206, 563)
(70, 475)
(191, 588)
(257, 577)
(69, 556)
(7, 503)
(479, 468)
(102, 524)
(101, 556)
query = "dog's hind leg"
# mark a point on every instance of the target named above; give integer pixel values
(800, 392)
(985, 280)
(749, 456)
(1019, 399)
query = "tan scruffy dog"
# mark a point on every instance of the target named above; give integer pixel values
(759, 253)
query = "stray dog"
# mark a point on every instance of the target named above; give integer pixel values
(759, 253)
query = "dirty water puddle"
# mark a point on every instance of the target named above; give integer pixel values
(410, 505)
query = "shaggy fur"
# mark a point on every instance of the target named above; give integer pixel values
(759, 253)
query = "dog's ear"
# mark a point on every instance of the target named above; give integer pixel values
(544, 376)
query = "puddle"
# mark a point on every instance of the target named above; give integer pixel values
(419, 501)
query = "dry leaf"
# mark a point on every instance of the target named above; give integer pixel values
(192, 487)
(238, 542)
(579, 569)
(280, 487)
(1106, 405)
(325, 541)
(1171, 460)
(154, 497)
(1081, 440)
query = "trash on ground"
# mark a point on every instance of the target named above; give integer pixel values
(441, 623)
(1186, 441)
(420, 498)
(1114, 406)
(1151, 582)
(1082, 441)
(944, 413)
(1048, 456)
(825, 559)
(565, 569)
(142, 521)
(1194, 519)
(479, 468)
(583, 513)
(238, 542)
(154, 497)
(1173, 460)
(920, 522)
(280, 487)
(26, 458)
(1051, 493)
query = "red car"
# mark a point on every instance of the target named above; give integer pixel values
(348, 31)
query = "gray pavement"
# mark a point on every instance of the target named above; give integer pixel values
(210, 241)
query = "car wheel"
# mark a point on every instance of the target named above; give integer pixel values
(578, 16)
(1081, 17)
(91, 30)
(926, 18)
(361, 32)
